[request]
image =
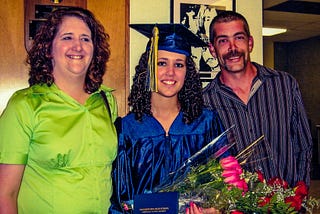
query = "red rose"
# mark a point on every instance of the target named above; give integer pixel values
(294, 201)
(301, 189)
(278, 182)
(260, 176)
(263, 201)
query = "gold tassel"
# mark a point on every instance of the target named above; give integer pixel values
(153, 61)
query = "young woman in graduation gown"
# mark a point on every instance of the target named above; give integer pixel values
(167, 123)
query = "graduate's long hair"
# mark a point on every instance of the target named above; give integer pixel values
(190, 96)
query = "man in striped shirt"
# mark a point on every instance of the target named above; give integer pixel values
(260, 102)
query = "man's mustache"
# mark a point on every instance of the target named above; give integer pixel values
(232, 53)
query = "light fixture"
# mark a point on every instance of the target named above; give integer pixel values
(56, 1)
(267, 31)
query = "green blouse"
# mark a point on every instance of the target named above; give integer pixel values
(68, 149)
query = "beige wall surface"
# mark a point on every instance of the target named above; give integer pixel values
(268, 53)
(13, 70)
(144, 11)
(252, 10)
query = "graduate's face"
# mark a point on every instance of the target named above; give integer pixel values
(171, 72)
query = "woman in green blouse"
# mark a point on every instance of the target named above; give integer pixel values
(57, 139)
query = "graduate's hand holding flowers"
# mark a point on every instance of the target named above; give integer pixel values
(194, 209)
(231, 173)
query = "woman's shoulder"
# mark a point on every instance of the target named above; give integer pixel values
(24, 94)
(131, 121)
(23, 101)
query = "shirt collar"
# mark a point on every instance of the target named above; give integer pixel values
(44, 88)
(263, 73)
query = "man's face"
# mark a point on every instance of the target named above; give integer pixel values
(232, 46)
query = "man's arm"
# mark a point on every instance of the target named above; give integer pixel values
(303, 139)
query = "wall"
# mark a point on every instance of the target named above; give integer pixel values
(144, 11)
(301, 59)
(268, 53)
(114, 16)
(252, 10)
(13, 73)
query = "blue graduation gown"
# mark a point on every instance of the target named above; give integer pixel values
(146, 155)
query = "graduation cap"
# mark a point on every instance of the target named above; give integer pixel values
(169, 37)
(172, 37)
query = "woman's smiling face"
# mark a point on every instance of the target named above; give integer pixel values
(72, 48)
(171, 72)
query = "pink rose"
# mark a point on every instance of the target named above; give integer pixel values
(232, 179)
(241, 184)
(229, 162)
(228, 173)
(232, 171)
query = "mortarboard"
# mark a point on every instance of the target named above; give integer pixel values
(172, 37)
(169, 37)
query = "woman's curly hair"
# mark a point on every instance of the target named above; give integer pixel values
(40, 59)
(190, 96)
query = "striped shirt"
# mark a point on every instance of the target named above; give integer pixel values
(275, 110)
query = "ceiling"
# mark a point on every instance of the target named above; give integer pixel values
(301, 18)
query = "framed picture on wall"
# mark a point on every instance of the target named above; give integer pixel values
(196, 15)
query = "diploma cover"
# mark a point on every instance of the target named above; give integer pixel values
(163, 202)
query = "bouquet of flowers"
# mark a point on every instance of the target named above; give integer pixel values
(225, 186)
